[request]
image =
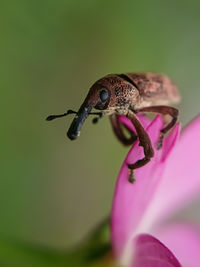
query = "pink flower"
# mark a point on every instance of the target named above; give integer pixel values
(141, 236)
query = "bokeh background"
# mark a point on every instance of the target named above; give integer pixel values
(52, 190)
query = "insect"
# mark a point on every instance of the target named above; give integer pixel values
(128, 94)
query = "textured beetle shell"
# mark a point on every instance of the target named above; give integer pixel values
(133, 90)
(154, 89)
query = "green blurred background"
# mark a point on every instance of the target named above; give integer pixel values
(52, 190)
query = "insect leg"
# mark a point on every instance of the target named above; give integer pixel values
(145, 142)
(118, 131)
(164, 110)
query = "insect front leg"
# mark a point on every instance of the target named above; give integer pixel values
(145, 142)
(118, 131)
(164, 110)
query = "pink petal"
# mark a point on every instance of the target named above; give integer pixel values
(181, 178)
(170, 142)
(150, 252)
(143, 119)
(131, 200)
(184, 241)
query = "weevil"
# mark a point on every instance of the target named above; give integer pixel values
(128, 94)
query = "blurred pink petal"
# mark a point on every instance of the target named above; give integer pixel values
(131, 200)
(184, 242)
(150, 252)
(181, 178)
(168, 182)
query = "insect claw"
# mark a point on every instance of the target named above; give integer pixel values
(131, 178)
(160, 142)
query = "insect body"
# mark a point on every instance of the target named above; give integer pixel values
(128, 94)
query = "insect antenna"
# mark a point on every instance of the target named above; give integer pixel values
(52, 117)
(95, 120)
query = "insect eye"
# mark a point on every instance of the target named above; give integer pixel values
(104, 95)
